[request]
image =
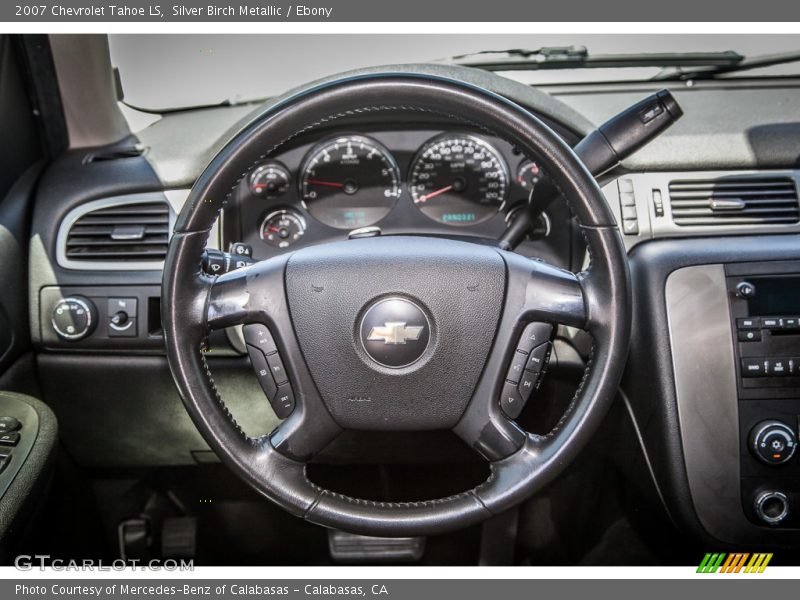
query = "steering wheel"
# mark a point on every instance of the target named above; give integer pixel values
(397, 333)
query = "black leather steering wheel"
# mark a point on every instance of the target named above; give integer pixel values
(460, 308)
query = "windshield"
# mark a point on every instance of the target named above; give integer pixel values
(162, 72)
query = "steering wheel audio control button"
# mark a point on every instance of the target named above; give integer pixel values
(258, 335)
(528, 383)
(527, 368)
(534, 335)
(517, 367)
(511, 403)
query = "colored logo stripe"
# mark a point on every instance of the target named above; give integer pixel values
(758, 563)
(734, 563)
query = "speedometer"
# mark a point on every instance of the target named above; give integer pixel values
(459, 180)
(349, 182)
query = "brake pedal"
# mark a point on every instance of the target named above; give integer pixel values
(352, 548)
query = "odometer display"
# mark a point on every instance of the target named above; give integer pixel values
(349, 182)
(459, 180)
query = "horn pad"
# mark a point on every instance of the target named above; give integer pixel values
(396, 330)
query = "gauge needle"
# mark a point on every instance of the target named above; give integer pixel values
(438, 192)
(332, 184)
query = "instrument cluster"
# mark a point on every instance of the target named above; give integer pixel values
(406, 181)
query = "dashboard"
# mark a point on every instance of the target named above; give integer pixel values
(368, 181)
(438, 178)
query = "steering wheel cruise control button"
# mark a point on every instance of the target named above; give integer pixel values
(269, 369)
(283, 404)
(258, 335)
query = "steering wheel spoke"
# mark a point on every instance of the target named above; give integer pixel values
(542, 292)
(253, 294)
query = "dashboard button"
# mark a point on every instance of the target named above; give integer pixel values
(790, 323)
(517, 366)
(777, 367)
(748, 323)
(259, 362)
(745, 289)
(259, 336)
(126, 306)
(627, 199)
(771, 323)
(533, 335)
(750, 336)
(511, 402)
(283, 404)
(630, 226)
(753, 367)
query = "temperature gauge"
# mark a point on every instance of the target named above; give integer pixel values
(528, 174)
(269, 180)
(282, 228)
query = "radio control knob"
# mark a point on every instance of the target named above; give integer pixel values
(745, 289)
(74, 318)
(773, 442)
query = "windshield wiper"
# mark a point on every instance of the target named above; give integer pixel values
(578, 57)
(747, 64)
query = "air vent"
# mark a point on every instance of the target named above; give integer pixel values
(115, 154)
(734, 201)
(121, 232)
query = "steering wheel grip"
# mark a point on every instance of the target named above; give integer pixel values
(521, 464)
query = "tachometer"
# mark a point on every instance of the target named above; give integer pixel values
(459, 180)
(349, 182)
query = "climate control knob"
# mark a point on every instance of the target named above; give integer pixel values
(74, 318)
(773, 442)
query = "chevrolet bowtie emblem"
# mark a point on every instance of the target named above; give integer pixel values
(395, 333)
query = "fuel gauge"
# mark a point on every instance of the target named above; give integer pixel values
(270, 180)
(282, 228)
(528, 174)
